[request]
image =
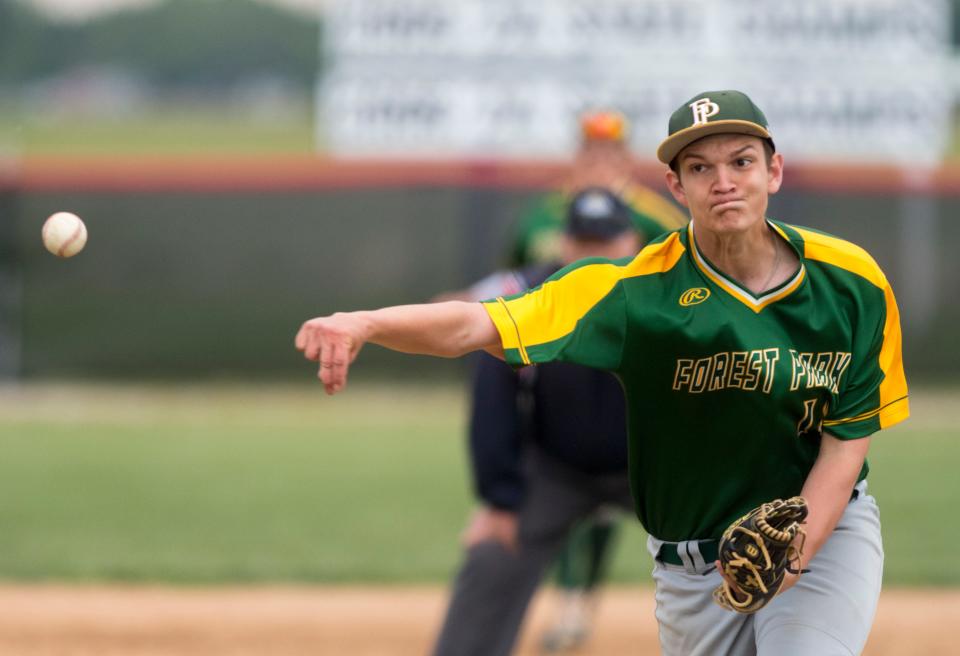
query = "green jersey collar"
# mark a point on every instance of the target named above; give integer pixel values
(734, 288)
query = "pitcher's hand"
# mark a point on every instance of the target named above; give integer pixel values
(334, 342)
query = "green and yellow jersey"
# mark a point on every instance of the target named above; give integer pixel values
(540, 228)
(727, 391)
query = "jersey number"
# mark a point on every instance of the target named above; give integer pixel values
(812, 420)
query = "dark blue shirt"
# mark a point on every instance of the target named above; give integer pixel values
(574, 414)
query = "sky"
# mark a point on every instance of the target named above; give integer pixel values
(85, 8)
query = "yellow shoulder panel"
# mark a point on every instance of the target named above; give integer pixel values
(553, 310)
(893, 388)
(843, 254)
(656, 258)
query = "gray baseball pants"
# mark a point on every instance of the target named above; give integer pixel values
(828, 612)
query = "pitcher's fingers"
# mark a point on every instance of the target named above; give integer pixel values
(340, 357)
(310, 341)
(311, 350)
(300, 341)
(323, 372)
(333, 381)
(332, 361)
(330, 385)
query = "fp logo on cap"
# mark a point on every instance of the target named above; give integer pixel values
(703, 109)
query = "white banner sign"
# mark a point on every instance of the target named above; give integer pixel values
(838, 79)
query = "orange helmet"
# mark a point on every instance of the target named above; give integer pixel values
(603, 126)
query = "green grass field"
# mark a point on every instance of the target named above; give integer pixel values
(173, 131)
(221, 483)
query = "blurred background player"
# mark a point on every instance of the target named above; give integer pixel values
(548, 450)
(603, 160)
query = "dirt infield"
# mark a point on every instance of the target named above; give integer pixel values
(134, 621)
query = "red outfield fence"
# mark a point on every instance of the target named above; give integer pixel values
(304, 173)
(206, 266)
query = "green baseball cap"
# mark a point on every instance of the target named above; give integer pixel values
(712, 112)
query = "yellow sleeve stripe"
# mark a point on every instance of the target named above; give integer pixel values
(894, 384)
(897, 409)
(843, 254)
(552, 311)
(507, 329)
(894, 413)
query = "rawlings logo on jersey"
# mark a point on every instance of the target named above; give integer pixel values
(694, 295)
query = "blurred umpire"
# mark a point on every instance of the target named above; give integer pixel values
(548, 449)
(603, 159)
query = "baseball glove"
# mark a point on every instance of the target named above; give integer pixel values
(757, 550)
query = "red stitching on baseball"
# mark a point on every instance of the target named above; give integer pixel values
(72, 238)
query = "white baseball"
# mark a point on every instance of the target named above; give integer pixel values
(64, 234)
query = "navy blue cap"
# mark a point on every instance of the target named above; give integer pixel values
(597, 213)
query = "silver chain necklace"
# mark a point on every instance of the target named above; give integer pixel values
(776, 263)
